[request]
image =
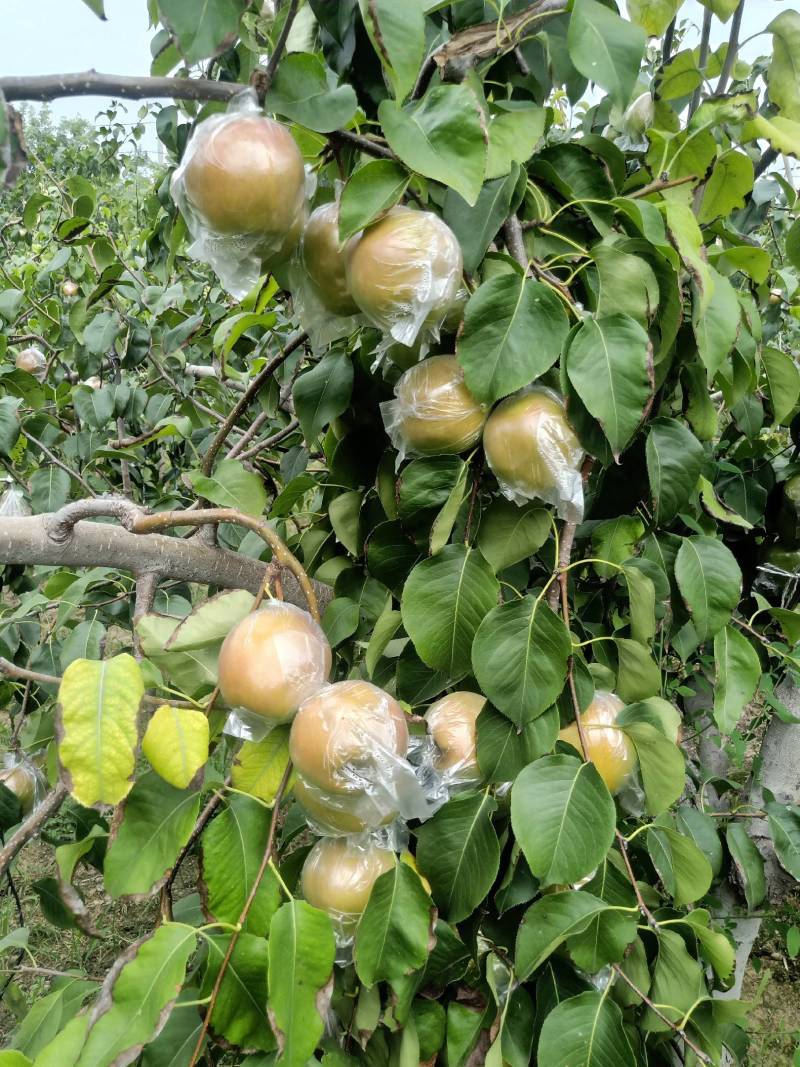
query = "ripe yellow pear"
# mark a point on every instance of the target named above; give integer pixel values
(324, 261)
(245, 176)
(272, 660)
(408, 262)
(452, 723)
(433, 412)
(608, 747)
(344, 735)
(338, 876)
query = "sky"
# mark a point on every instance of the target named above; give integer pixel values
(54, 36)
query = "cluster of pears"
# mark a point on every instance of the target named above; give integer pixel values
(243, 175)
(345, 740)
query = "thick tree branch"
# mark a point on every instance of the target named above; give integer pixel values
(91, 83)
(32, 825)
(733, 49)
(705, 35)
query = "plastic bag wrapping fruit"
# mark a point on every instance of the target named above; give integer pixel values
(270, 662)
(32, 360)
(448, 752)
(337, 877)
(534, 452)
(24, 779)
(241, 188)
(349, 744)
(608, 746)
(404, 273)
(433, 413)
(321, 296)
(12, 503)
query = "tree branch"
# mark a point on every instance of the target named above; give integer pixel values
(657, 1011)
(280, 44)
(705, 35)
(32, 825)
(91, 83)
(733, 49)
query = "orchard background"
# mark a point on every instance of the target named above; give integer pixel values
(624, 196)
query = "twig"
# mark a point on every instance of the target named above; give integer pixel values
(666, 54)
(242, 404)
(57, 462)
(677, 1030)
(276, 438)
(248, 434)
(702, 60)
(733, 50)
(643, 908)
(363, 144)
(244, 913)
(657, 186)
(202, 821)
(476, 484)
(32, 825)
(280, 44)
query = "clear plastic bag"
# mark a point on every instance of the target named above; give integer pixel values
(321, 296)
(241, 187)
(609, 747)
(433, 412)
(452, 725)
(269, 663)
(13, 504)
(25, 781)
(404, 273)
(534, 452)
(33, 361)
(349, 744)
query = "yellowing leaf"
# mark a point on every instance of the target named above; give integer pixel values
(98, 711)
(259, 766)
(176, 744)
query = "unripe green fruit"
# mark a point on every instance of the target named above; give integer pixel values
(434, 413)
(343, 731)
(245, 176)
(272, 660)
(529, 443)
(338, 876)
(608, 747)
(407, 260)
(21, 781)
(324, 260)
(452, 723)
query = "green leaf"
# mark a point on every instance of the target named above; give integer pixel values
(232, 848)
(503, 749)
(548, 922)
(397, 34)
(97, 718)
(682, 867)
(458, 852)
(642, 604)
(231, 486)
(687, 237)
(784, 825)
(661, 766)
(514, 131)
(393, 932)
(101, 333)
(783, 134)
(725, 191)
(258, 766)
(723, 9)
(50, 1013)
(97, 6)
(748, 862)
(175, 744)
(607, 937)
(50, 488)
(615, 540)
(495, 349)
(716, 509)
(202, 30)
(344, 512)
(340, 620)
(715, 322)
(738, 673)
(586, 1030)
(609, 362)
(441, 137)
(477, 226)
(306, 91)
(606, 49)
(137, 996)
(323, 393)
(175, 1043)
(84, 642)
(157, 821)
(519, 657)
(240, 1012)
(783, 76)
(444, 601)
(428, 483)
(9, 424)
(710, 582)
(209, 624)
(509, 533)
(627, 284)
(638, 674)
(369, 193)
(716, 948)
(301, 953)
(792, 244)
(783, 382)
(703, 831)
(677, 981)
(653, 15)
(442, 526)
(674, 461)
(563, 818)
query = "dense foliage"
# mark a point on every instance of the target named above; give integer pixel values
(626, 245)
